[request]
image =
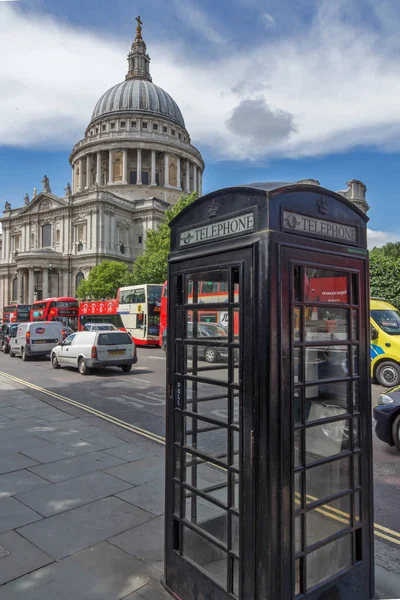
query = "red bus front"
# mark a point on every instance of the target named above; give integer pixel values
(64, 309)
(163, 310)
(16, 313)
(99, 311)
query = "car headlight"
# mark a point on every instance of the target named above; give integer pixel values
(385, 399)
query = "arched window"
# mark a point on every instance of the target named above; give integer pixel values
(46, 235)
(79, 277)
(58, 236)
(14, 289)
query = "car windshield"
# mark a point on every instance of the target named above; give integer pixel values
(14, 328)
(388, 320)
(114, 338)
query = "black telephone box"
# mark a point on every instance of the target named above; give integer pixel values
(269, 441)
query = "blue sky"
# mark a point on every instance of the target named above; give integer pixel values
(269, 90)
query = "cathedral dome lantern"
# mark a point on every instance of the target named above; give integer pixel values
(137, 137)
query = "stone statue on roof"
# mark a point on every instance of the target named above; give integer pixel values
(7, 206)
(67, 190)
(26, 199)
(46, 184)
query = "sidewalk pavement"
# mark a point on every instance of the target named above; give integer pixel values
(81, 506)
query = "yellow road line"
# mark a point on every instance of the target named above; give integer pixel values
(326, 510)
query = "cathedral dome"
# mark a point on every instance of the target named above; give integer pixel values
(141, 97)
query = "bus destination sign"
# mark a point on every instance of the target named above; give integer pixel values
(217, 230)
(311, 226)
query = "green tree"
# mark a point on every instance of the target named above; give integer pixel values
(391, 250)
(385, 276)
(104, 280)
(151, 266)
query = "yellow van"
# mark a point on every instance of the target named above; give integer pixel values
(385, 343)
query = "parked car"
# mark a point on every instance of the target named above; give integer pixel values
(387, 417)
(5, 334)
(209, 353)
(37, 338)
(100, 327)
(86, 350)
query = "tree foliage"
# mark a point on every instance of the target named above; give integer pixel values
(385, 273)
(151, 265)
(104, 280)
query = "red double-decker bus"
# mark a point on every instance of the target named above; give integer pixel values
(99, 311)
(63, 309)
(16, 313)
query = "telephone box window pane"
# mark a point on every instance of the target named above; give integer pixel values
(298, 412)
(355, 360)
(298, 534)
(235, 533)
(299, 563)
(324, 285)
(325, 323)
(204, 475)
(207, 399)
(329, 560)
(208, 439)
(356, 433)
(177, 499)
(354, 288)
(326, 440)
(236, 490)
(204, 553)
(329, 362)
(235, 442)
(236, 572)
(206, 515)
(296, 323)
(298, 448)
(328, 479)
(357, 507)
(207, 361)
(297, 365)
(356, 397)
(354, 325)
(327, 400)
(297, 284)
(328, 519)
(208, 288)
(298, 490)
(357, 477)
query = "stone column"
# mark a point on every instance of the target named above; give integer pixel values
(87, 172)
(187, 176)
(124, 166)
(139, 167)
(166, 169)
(3, 247)
(19, 286)
(45, 286)
(110, 166)
(98, 169)
(31, 285)
(194, 178)
(178, 173)
(73, 178)
(153, 168)
(199, 186)
(81, 174)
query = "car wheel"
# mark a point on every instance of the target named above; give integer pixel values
(24, 354)
(54, 362)
(210, 355)
(388, 373)
(11, 354)
(396, 432)
(3, 347)
(82, 368)
(126, 368)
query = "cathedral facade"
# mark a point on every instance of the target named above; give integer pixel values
(134, 162)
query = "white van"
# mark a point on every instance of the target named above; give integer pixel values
(85, 350)
(36, 339)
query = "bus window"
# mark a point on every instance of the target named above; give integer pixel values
(140, 321)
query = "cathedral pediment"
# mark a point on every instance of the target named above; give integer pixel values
(42, 203)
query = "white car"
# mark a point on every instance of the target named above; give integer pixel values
(85, 350)
(36, 338)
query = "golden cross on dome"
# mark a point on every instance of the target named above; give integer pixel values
(139, 28)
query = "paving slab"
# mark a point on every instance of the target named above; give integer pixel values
(18, 482)
(68, 435)
(13, 461)
(102, 572)
(60, 451)
(140, 471)
(149, 495)
(145, 541)
(129, 452)
(78, 465)
(105, 440)
(59, 497)
(26, 423)
(26, 442)
(153, 591)
(76, 529)
(14, 513)
(22, 557)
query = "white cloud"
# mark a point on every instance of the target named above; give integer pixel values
(339, 84)
(380, 238)
(191, 15)
(269, 21)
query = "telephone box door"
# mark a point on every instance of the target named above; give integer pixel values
(325, 339)
(209, 494)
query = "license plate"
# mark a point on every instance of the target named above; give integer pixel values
(40, 342)
(116, 352)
